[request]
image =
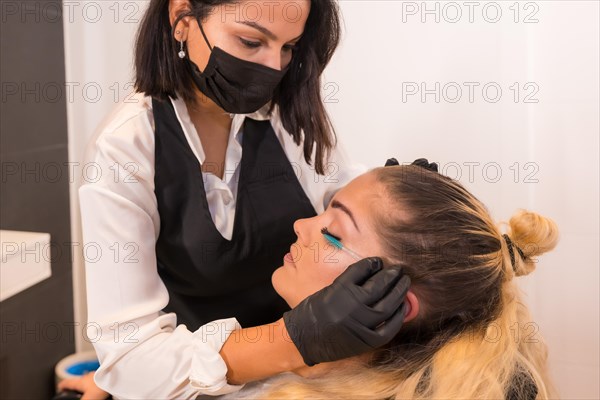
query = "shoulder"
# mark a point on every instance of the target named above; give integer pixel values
(128, 113)
(119, 157)
(128, 126)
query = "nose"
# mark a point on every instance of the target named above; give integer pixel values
(300, 227)
(276, 60)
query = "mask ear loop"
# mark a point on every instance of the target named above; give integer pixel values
(204, 35)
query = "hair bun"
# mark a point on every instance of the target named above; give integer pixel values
(534, 235)
(422, 162)
(391, 162)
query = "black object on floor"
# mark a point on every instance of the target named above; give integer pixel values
(68, 395)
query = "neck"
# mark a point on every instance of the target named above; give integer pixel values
(205, 108)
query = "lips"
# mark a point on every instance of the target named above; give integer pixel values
(289, 259)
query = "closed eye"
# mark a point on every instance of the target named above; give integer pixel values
(253, 45)
(249, 44)
(325, 231)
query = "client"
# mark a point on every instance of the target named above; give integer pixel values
(466, 332)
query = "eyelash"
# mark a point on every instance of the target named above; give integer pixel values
(324, 230)
(254, 45)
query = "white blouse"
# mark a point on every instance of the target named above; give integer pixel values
(143, 352)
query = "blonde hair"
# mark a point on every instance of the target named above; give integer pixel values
(473, 335)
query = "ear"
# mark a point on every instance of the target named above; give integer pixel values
(176, 7)
(412, 305)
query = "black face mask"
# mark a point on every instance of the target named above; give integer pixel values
(237, 86)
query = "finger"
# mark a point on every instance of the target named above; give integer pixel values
(378, 285)
(385, 331)
(95, 394)
(370, 337)
(66, 384)
(386, 307)
(395, 297)
(392, 326)
(360, 271)
(71, 384)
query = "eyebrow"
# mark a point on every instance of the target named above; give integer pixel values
(337, 204)
(263, 30)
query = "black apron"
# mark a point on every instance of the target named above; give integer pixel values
(207, 276)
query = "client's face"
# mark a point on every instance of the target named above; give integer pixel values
(313, 262)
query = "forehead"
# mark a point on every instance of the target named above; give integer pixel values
(267, 13)
(361, 195)
(363, 186)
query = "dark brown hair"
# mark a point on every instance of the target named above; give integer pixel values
(160, 73)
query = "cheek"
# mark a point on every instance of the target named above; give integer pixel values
(296, 284)
(320, 276)
(232, 45)
(197, 52)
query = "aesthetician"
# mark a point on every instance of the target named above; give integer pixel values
(201, 175)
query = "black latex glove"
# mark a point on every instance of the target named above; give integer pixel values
(345, 318)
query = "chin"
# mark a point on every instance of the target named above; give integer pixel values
(280, 284)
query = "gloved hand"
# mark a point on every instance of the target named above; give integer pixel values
(361, 310)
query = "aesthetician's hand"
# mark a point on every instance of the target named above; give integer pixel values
(85, 385)
(347, 318)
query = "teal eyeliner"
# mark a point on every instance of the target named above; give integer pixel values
(336, 243)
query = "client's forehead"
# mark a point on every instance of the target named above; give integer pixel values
(360, 196)
(364, 187)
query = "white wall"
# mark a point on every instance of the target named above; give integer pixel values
(558, 135)
(545, 149)
(98, 62)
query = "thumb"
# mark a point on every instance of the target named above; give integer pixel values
(360, 271)
(70, 384)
